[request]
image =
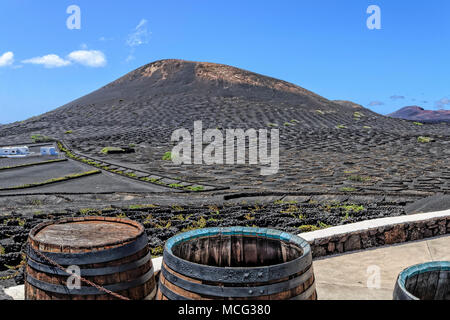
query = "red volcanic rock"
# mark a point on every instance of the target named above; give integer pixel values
(417, 113)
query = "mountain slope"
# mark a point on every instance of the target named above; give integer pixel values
(172, 82)
(165, 95)
(417, 113)
(324, 146)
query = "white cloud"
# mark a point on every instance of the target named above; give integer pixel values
(141, 24)
(140, 35)
(376, 103)
(89, 58)
(397, 97)
(6, 59)
(443, 103)
(103, 39)
(49, 61)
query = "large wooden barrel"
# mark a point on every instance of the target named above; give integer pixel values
(236, 263)
(110, 252)
(428, 281)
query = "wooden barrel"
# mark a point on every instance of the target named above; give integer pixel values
(428, 281)
(110, 252)
(236, 263)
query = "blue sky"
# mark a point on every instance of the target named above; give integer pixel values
(324, 46)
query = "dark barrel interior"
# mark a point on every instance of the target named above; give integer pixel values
(433, 285)
(429, 281)
(236, 251)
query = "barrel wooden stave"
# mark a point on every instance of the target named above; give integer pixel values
(133, 272)
(235, 251)
(285, 295)
(102, 280)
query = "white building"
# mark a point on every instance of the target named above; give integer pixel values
(14, 151)
(48, 151)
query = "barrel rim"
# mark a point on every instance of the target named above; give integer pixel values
(229, 274)
(39, 227)
(237, 292)
(418, 269)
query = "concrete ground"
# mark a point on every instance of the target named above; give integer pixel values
(346, 276)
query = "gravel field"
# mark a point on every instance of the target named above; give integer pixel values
(163, 222)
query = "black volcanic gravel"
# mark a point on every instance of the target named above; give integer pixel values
(163, 222)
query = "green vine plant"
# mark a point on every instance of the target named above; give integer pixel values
(167, 156)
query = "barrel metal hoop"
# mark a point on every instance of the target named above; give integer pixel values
(170, 294)
(85, 291)
(236, 275)
(92, 257)
(49, 269)
(306, 294)
(237, 292)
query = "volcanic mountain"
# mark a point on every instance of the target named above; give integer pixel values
(324, 145)
(417, 113)
(174, 93)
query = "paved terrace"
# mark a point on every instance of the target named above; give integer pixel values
(345, 276)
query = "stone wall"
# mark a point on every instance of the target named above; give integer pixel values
(380, 236)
